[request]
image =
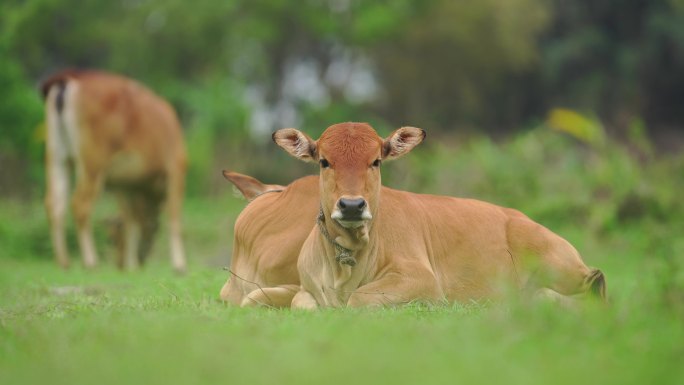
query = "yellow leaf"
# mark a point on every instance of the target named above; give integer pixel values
(586, 129)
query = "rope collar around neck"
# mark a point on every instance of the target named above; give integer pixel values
(342, 254)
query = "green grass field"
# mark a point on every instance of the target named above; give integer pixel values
(151, 326)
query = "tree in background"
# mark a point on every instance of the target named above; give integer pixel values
(237, 69)
(621, 60)
(463, 65)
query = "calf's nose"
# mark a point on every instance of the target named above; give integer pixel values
(351, 207)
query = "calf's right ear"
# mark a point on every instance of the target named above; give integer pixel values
(296, 143)
(248, 186)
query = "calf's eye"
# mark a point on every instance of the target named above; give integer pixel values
(324, 163)
(376, 163)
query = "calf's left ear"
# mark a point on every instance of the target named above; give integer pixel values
(296, 143)
(401, 142)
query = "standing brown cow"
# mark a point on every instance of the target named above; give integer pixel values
(112, 130)
(378, 246)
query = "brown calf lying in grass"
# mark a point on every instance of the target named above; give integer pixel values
(378, 246)
(372, 245)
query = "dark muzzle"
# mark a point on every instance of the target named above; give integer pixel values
(351, 208)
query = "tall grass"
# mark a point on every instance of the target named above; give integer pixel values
(617, 205)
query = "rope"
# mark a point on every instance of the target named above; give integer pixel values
(342, 254)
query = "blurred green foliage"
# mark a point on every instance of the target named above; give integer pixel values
(555, 178)
(237, 69)
(580, 90)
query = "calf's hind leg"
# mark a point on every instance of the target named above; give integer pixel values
(567, 274)
(552, 262)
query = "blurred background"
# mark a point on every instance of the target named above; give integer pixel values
(569, 110)
(572, 111)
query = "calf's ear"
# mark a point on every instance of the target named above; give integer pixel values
(401, 142)
(249, 187)
(296, 143)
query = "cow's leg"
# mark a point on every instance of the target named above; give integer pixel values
(229, 292)
(149, 226)
(140, 213)
(145, 214)
(174, 194)
(132, 232)
(87, 189)
(396, 289)
(279, 296)
(132, 236)
(116, 235)
(552, 262)
(304, 300)
(56, 202)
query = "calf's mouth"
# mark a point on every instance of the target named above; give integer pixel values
(351, 221)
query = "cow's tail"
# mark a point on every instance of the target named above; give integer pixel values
(60, 145)
(58, 93)
(59, 83)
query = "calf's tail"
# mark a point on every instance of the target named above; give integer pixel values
(596, 283)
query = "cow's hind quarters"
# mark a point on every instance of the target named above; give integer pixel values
(596, 284)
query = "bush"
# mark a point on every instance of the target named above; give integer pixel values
(552, 177)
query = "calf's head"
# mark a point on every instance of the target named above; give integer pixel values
(349, 155)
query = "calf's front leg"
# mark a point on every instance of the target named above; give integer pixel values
(396, 289)
(278, 296)
(304, 300)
